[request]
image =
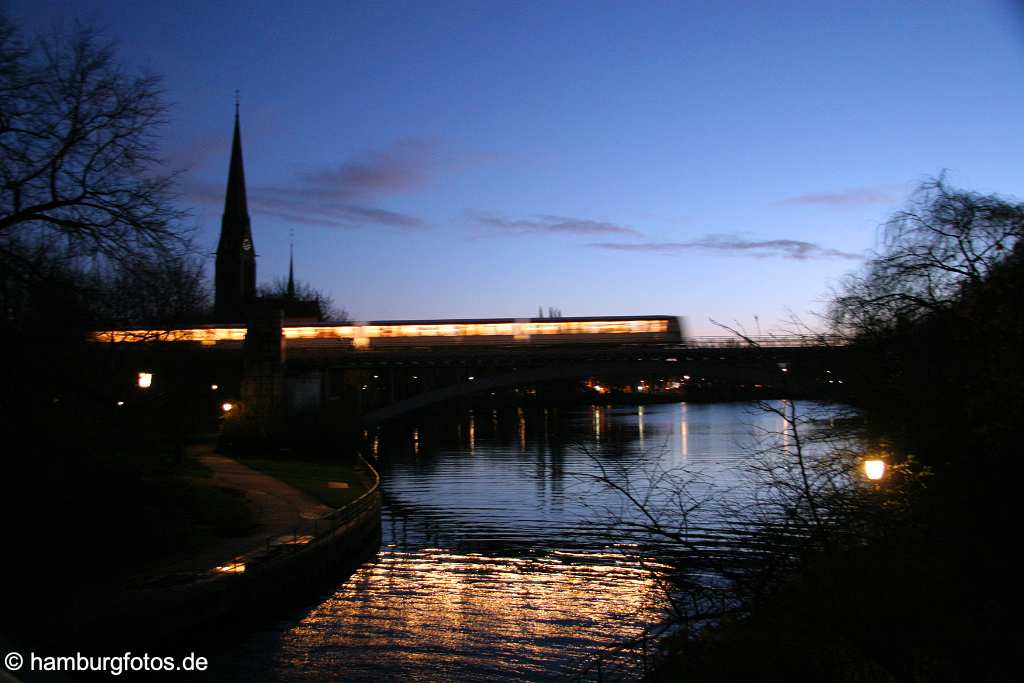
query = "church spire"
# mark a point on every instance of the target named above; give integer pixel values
(235, 279)
(235, 204)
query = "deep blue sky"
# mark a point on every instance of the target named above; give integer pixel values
(479, 159)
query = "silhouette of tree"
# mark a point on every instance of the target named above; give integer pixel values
(552, 312)
(151, 289)
(944, 243)
(156, 291)
(726, 557)
(78, 150)
(278, 289)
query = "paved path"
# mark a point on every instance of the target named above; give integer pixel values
(280, 509)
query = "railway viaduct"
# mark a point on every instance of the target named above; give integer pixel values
(324, 373)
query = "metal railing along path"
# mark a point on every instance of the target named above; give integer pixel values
(307, 533)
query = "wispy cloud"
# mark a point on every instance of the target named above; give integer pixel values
(292, 207)
(303, 205)
(857, 196)
(548, 225)
(797, 250)
(406, 166)
(342, 195)
(190, 154)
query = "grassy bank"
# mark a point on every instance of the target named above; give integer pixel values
(333, 483)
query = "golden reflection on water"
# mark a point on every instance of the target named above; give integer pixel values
(487, 617)
(434, 614)
(784, 426)
(640, 424)
(684, 431)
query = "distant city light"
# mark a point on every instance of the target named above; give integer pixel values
(874, 469)
(227, 407)
(120, 403)
(145, 380)
(471, 378)
(686, 377)
(215, 387)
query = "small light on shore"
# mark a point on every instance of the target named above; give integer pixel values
(120, 403)
(874, 469)
(214, 387)
(227, 407)
(145, 380)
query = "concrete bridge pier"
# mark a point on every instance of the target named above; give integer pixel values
(263, 390)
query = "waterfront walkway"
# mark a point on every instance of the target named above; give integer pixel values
(281, 510)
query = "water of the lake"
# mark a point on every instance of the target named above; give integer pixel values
(492, 565)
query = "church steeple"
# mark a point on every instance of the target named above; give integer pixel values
(235, 279)
(234, 200)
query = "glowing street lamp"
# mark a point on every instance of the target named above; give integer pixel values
(874, 469)
(145, 380)
(227, 407)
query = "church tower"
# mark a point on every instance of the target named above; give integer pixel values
(235, 279)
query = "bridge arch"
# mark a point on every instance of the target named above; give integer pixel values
(755, 373)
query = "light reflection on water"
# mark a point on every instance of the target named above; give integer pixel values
(434, 613)
(491, 567)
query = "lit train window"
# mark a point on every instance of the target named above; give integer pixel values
(212, 335)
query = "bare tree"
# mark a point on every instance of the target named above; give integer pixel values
(728, 554)
(945, 242)
(78, 149)
(553, 312)
(303, 291)
(161, 290)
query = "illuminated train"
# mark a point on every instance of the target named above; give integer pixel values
(431, 333)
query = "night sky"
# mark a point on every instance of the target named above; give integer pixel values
(481, 159)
